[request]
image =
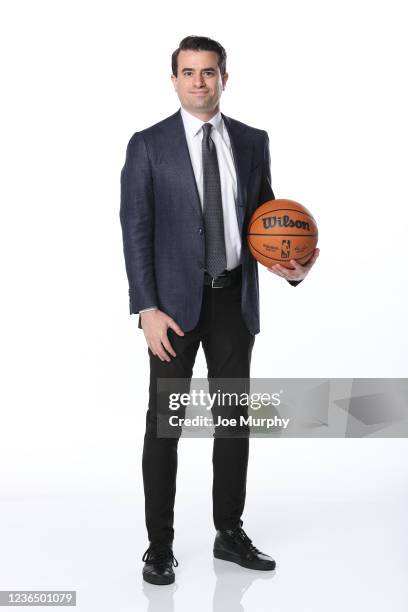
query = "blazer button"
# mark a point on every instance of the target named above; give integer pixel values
(200, 230)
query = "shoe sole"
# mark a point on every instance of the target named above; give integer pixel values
(158, 579)
(225, 556)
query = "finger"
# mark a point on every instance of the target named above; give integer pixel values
(296, 265)
(171, 323)
(276, 268)
(284, 271)
(165, 342)
(294, 275)
(316, 255)
(163, 356)
(160, 353)
(275, 272)
(310, 263)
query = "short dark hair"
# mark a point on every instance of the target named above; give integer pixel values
(200, 43)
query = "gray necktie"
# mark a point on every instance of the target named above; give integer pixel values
(215, 255)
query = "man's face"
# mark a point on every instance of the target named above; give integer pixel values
(199, 84)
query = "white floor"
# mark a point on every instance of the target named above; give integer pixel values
(333, 513)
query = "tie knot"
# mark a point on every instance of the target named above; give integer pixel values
(207, 129)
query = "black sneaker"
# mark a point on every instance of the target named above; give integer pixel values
(159, 561)
(234, 545)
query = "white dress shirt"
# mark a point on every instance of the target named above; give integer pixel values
(228, 178)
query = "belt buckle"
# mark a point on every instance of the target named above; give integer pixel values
(215, 286)
(220, 276)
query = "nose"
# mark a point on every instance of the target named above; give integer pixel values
(198, 81)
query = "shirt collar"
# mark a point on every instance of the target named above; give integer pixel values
(192, 124)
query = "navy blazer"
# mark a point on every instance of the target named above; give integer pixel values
(162, 221)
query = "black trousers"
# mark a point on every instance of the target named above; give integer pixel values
(227, 345)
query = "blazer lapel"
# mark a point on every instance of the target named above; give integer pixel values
(181, 158)
(242, 154)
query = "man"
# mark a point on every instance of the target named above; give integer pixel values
(188, 188)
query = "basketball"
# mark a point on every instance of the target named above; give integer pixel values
(281, 230)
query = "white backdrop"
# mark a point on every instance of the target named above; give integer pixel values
(326, 80)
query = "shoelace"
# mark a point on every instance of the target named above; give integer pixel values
(159, 554)
(240, 534)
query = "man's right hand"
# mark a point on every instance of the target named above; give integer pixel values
(155, 324)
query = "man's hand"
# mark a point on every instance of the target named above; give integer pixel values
(298, 272)
(155, 324)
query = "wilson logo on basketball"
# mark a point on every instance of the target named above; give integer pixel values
(285, 221)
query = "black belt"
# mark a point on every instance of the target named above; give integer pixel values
(225, 279)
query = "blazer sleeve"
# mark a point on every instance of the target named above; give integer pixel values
(137, 221)
(266, 193)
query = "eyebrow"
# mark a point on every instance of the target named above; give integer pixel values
(192, 69)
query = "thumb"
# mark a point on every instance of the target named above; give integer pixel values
(314, 256)
(171, 323)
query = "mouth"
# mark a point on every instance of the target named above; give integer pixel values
(199, 93)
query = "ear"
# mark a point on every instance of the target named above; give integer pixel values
(224, 80)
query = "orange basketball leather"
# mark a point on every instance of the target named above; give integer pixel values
(281, 230)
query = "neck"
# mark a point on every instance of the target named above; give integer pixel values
(205, 115)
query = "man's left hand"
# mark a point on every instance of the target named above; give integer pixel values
(298, 272)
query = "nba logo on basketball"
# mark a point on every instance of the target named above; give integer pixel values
(285, 249)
